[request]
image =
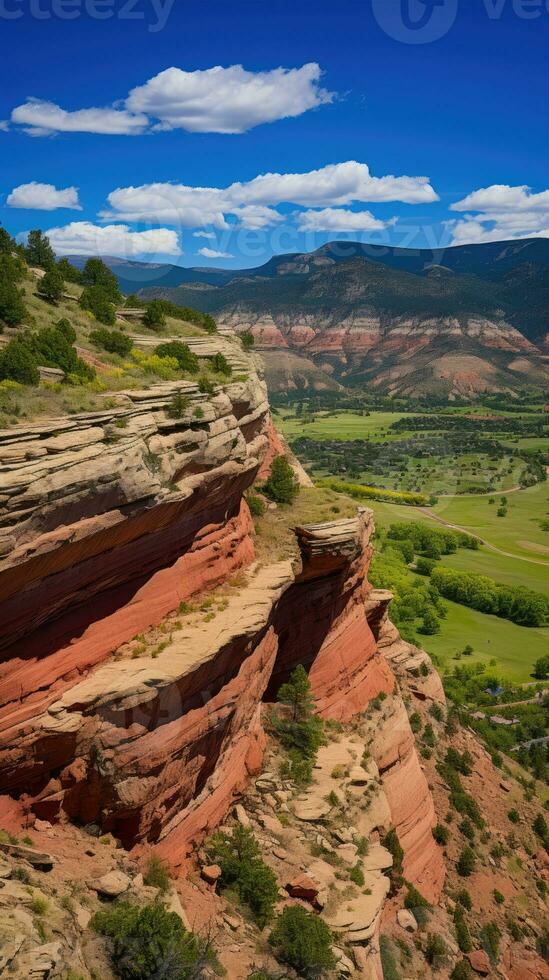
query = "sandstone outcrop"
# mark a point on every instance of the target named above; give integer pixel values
(110, 523)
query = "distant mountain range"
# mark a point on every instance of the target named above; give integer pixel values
(462, 320)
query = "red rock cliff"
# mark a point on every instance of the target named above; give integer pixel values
(105, 530)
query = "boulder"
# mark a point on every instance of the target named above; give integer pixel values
(241, 815)
(358, 776)
(113, 884)
(302, 886)
(479, 962)
(211, 873)
(406, 920)
(344, 966)
(39, 859)
(378, 858)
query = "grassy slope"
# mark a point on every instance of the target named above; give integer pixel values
(344, 425)
(117, 373)
(518, 533)
(514, 647)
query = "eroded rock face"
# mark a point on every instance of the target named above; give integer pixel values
(106, 529)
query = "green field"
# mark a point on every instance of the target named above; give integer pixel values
(519, 533)
(514, 647)
(342, 425)
(365, 449)
(509, 571)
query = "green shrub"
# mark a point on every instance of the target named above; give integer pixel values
(97, 300)
(155, 318)
(205, 386)
(220, 365)
(149, 942)
(242, 867)
(416, 903)
(463, 898)
(282, 486)
(466, 862)
(436, 950)
(357, 875)
(498, 897)
(514, 816)
(247, 340)
(393, 845)
(52, 349)
(18, 363)
(69, 272)
(467, 829)
(256, 505)
(424, 566)
(157, 874)
(298, 768)
(12, 308)
(388, 960)
(441, 834)
(302, 731)
(66, 328)
(304, 941)
(490, 936)
(462, 971)
(39, 905)
(50, 287)
(178, 405)
(463, 935)
(38, 251)
(96, 274)
(113, 341)
(540, 828)
(182, 353)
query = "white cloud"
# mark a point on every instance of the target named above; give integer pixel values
(85, 238)
(228, 100)
(340, 219)
(212, 253)
(503, 198)
(216, 100)
(505, 212)
(45, 118)
(4, 126)
(256, 215)
(252, 202)
(43, 197)
(338, 183)
(203, 234)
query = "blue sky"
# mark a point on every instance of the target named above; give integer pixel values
(464, 106)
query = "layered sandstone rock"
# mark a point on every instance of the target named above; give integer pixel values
(109, 522)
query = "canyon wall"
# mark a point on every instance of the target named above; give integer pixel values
(109, 524)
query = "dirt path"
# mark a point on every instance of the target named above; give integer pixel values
(487, 544)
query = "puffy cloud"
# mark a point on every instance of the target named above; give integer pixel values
(252, 202)
(256, 215)
(341, 219)
(227, 100)
(216, 100)
(43, 197)
(505, 212)
(503, 198)
(338, 183)
(45, 118)
(212, 253)
(203, 234)
(85, 238)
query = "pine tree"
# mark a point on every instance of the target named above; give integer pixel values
(39, 251)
